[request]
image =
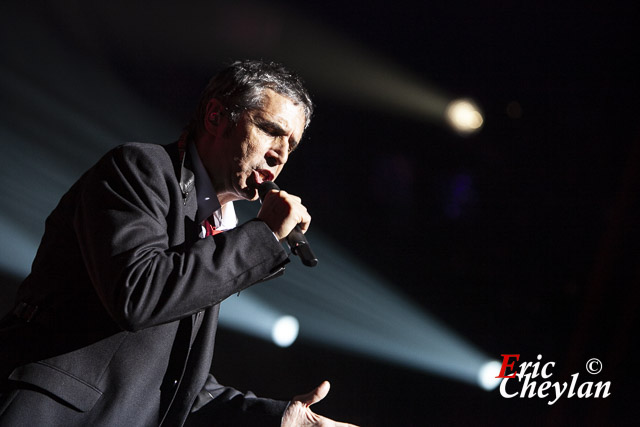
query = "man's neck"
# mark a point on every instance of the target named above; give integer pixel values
(227, 197)
(207, 198)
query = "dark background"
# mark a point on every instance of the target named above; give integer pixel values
(523, 238)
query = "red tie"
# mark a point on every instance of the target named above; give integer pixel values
(210, 229)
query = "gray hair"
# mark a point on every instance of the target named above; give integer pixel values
(240, 87)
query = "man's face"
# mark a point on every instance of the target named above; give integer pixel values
(241, 157)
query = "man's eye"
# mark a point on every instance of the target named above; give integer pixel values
(268, 131)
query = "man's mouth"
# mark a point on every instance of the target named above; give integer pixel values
(262, 175)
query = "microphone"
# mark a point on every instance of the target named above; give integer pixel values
(296, 238)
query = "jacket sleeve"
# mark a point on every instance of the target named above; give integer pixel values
(230, 407)
(124, 209)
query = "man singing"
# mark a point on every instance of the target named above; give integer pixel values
(115, 325)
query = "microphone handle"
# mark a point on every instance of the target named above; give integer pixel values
(296, 239)
(299, 245)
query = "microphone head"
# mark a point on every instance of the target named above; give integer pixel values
(265, 187)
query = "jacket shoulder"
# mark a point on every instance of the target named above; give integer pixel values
(148, 162)
(141, 152)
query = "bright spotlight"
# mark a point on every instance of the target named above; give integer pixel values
(487, 375)
(464, 116)
(250, 315)
(285, 331)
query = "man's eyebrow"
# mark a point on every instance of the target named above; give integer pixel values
(274, 129)
(269, 126)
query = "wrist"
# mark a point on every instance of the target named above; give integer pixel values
(286, 409)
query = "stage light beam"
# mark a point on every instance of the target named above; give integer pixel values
(342, 304)
(248, 314)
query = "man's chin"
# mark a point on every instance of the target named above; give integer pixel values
(250, 193)
(248, 190)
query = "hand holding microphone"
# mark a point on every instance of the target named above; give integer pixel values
(287, 218)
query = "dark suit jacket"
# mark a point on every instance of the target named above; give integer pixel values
(127, 303)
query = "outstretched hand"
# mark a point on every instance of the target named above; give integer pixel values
(299, 414)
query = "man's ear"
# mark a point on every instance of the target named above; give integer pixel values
(213, 116)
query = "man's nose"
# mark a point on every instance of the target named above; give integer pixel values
(279, 154)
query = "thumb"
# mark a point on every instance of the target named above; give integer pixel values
(315, 395)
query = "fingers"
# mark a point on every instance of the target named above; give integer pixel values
(286, 195)
(291, 196)
(282, 211)
(298, 210)
(315, 395)
(299, 414)
(304, 221)
(320, 392)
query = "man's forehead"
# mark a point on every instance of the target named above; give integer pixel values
(281, 110)
(272, 101)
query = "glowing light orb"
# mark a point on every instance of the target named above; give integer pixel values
(487, 375)
(285, 331)
(464, 116)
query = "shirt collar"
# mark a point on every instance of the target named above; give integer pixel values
(207, 198)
